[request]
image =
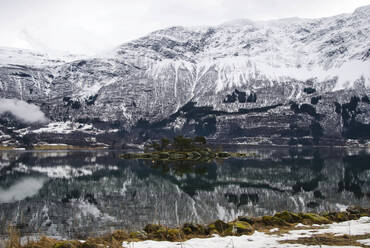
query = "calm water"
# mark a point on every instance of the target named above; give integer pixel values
(75, 194)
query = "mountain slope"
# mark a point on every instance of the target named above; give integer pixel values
(296, 81)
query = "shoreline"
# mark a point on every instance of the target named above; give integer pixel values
(251, 146)
(242, 230)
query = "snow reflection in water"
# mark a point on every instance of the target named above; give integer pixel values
(86, 193)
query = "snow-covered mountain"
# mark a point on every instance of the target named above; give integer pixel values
(14, 56)
(290, 81)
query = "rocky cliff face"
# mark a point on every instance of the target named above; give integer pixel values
(291, 81)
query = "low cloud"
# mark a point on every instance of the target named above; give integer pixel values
(21, 110)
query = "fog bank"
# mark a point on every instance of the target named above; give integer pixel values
(21, 110)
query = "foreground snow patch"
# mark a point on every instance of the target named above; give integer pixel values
(262, 240)
(364, 241)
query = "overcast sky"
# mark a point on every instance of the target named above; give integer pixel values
(90, 26)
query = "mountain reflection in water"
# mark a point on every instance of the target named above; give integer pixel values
(78, 194)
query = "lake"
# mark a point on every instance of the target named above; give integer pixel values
(86, 193)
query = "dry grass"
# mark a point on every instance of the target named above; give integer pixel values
(14, 240)
(53, 147)
(329, 239)
(6, 148)
(65, 147)
(46, 242)
(284, 221)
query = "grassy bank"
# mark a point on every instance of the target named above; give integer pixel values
(280, 223)
(7, 148)
(66, 147)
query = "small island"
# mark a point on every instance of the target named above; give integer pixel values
(182, 148)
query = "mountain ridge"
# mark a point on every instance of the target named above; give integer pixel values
(235, 70)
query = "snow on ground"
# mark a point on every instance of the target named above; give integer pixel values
(352, 227)
(239, 71)
(364, 241)
(262, 240)
(18, 56)
(67, 127)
